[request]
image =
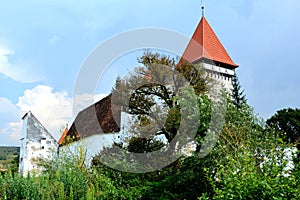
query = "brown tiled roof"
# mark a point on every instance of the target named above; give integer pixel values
(101, 117)
(205, 44)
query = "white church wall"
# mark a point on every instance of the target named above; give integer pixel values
(92, 145)
(36, 142)
(89, 146)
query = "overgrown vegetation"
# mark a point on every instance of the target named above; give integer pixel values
(65, 180)
(9, 158)
(248, 161)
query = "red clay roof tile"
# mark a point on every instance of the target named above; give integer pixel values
(205, 44)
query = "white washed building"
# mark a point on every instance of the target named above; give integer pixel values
(36, 142)
(94, 128)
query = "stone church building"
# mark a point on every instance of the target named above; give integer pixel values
(204, 47)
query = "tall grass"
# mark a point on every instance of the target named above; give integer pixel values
(62, 178)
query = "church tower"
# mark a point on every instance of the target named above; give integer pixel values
(206, 48)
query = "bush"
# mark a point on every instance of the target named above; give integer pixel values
(249, 161)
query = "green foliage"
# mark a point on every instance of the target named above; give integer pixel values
(242, 178)
(63, 178)
(9, 158)
(151, 93)
(143, 145)
(249, 161)
(237, 93)
(171, 182)
(16, 187)
(287, 121)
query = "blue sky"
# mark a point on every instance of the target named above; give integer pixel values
(44, 43)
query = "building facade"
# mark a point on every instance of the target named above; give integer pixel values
(98, 125)
(93, 129)
(36, 142)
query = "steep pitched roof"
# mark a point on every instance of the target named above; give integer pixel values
(107, 120)
(205, 44)
(35, 129)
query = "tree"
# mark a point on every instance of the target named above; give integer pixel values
(287, 121)
(237, 94)
(152, 94)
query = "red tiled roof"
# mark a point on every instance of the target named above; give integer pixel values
(205, 44)
(62, 137)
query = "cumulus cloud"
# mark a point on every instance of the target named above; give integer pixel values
(52, 108)
(18, 70)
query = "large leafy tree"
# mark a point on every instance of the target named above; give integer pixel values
(287, 121)
(152, 95)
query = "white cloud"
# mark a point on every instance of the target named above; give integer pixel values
(52, 109)
(19, 71)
